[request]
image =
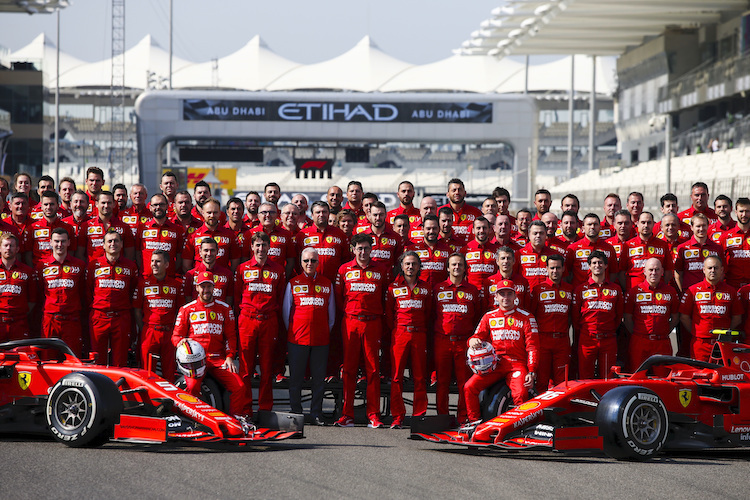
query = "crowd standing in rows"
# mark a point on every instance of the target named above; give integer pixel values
(355, 287)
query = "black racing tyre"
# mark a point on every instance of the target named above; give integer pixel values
(83, 408)
(633, 423)
(211, 393)
(496, 400)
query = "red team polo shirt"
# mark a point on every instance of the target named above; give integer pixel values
(717, 230)
(159, 300)
(93, 233)
(62, 285)
(533, 264)
(360, 291)
(689, 258)
(386, 248)
(282, 244)
(112, 286)
(489, 287)
(308, 316)
(736, 244)
(481, 262)
(18, 289)
(685, 215)
(41, 233)
(434, 261)
(576, 259)
(463, 222)
(331, 244)
(167, 237)
(408, 308)
(597, 308)
(652, 309)
(228, 247)
(412, 211)
(710, 307)
(636, 252)
(259, 289)
(551, 306)
(457, 309)
(134, 219)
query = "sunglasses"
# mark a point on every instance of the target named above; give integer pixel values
(307, 261)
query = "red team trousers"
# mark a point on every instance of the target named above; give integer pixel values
(363, 336)
(110, 330)
(554, 356)
(408, 342)
(641, 347)
(514, 373)
(157, 339)
(14, 328)
(592, 351)
(65, 327)
(450, 358)
(258, 337)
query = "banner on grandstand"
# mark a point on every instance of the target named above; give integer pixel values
(314, 168)
(376, 112)
(227, 176)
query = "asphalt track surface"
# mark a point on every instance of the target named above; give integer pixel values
(356, 463)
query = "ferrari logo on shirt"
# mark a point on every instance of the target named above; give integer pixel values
(66, 269)
(164, 233)
(510, 321)
(659, 296)
(250, 274)
(212, 315)
(217, 239)
(497, 322)
(368, 274)
(487, 255)
(398, 292)
(650, 250)
(165, 290)
(16, 274)
(118, 270)
(24, 380)
(416, 290)
(383, 241)
(685, 396)
(449, 295)
(605, 292)
(437, 253)
(721, 296)
(274, 238)
(318, 288)
(463, 217)
(544, 258)
(266, 274)
(644, 297)
(329, 239)
(705, 253)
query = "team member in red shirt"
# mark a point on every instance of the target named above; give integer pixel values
(551, 302)
(111, 282)
(514, 335)
(736, 244)
(79, 203)
(300, 201)
(523, 220)
(402, 228)
(41, 230)
(201, 194)
(503, 230)
(670, 233)
(408, 308)
(577, 254)
(552, 241)
(463, 213)
(335, 197)
(502, 197)
(680, 230)
(45, 183)
(447, 234)
(405, 196)
(66, 188)
(159, 234)
(688, 264)
(259, 287)
(641, 248)
(223, 277)
(94, 183)
(229, 250)
(138, 213)
(612, 205)
(481, 255)
(506, 270)
(211, 323)
(534, 255)
(651, 311)
(623, 229)
(289, 217)
(183, 206)
(17, 290)
(699, 200)
(709, 305)
(634, 207)
(360, 289)
(570, 228)
(457, 310)
(387, 246)
(91, 239)
(21, 222)
(236, 223)
(354, 193)
(158, 297)
(428, 206)
(282, 250)
(329, 241)
(433, 253)
(252, 202)
(597, 312)
(309, 312)
(724, 221)
(62, 279)
(542, 202)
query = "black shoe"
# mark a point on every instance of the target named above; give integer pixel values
(319, 422)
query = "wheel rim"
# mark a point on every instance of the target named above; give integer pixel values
(71, 409)
(645, 424)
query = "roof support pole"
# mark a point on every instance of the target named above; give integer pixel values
(57, 102)
(592, 112)
(526, 77)
(571, 96)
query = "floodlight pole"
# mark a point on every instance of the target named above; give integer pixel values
(571, 96)
(668, 148)
(592, 118)
(57, 102)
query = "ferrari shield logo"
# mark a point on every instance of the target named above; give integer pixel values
(544, 258)
(705, 253)
(658, 296)
(317, 288)
(274, 238)
(460, 295)
(66, 269)
(416, 290)
(118, 270)
(605, 292)
(15, 275)
(685, 396)
(265, 274)
(213, 315)
(24, 380)
(748, 241)
(164, 233)
(329, 239)
(562, 294)
(165, 289)
(368, 274)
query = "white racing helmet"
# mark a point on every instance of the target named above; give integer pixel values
(482, 359)
(191, 358)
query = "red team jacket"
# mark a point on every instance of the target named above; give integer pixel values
(513, 334)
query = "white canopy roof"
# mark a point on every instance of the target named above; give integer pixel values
(253, 67)
(364, 68)
(43, 50)
(144, 58)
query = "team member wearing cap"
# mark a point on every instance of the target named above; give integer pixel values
(158, 297)
(259, 286)
(17, 290)
(111, 281)
(408, 306)
(551, 303)
(62, 283)
(457, 310)
(360, 289)
(597, 312)
(506, 270)
(514, 335)
(709, 305)
(211, 323)
(651, 311)
(309, 311)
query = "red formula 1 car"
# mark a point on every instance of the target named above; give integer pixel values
(669, 403)
(45, 389)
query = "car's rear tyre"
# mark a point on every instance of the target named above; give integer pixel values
(496, 400)
(83, 408)
(633, 423)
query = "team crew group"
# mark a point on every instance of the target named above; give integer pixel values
(354, 287)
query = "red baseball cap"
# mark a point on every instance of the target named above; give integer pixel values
(204, 277)
(505, 285)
